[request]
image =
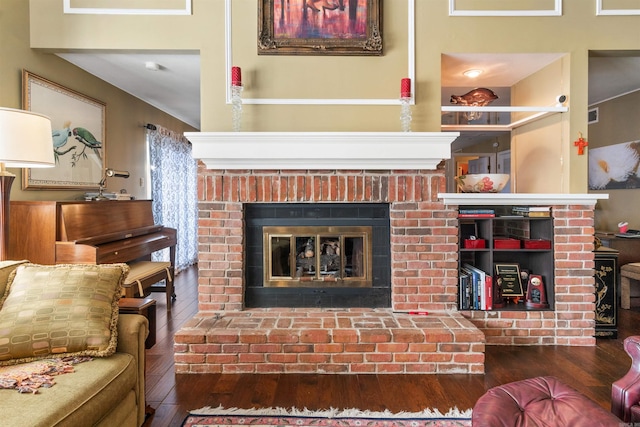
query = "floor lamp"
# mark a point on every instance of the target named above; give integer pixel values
(25, 142)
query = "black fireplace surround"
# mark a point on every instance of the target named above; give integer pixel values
(374, 215)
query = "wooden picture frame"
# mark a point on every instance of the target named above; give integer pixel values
(320, 27)
(78, 139)
(508, 275)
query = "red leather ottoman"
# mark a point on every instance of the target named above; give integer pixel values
(625, 393)
(540, 401)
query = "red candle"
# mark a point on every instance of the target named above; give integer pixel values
(405, 88)
(236, 76)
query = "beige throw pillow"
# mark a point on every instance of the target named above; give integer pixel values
(60, 310)
(6, 268)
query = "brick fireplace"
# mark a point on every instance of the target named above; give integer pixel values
(226, 336)
(423, 232)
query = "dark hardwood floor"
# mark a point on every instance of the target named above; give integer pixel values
(590, 370)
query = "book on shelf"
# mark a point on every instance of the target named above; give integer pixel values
(464, 289)
(532, 211)
(469, 289)
(476, 213)
(488, 291)
(479, 215)
(532, 208)
(535, 214)
(481, 288)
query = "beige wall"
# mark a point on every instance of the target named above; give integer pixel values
(537, 149)
(125, 137)
(576, 32)
(617, 123)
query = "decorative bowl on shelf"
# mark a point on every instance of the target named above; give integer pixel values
(482, 182)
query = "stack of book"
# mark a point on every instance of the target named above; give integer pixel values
(532, 211)
(476, 213)
(475, 289)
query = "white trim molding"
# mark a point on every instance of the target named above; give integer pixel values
(69, 9)
(502, 199)
(556, 11)
(601, 11)
(321, 150)
(411, 70)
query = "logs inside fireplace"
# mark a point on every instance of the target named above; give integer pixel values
(317, 256)
(330, 255)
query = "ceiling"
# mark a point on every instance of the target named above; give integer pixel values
(175, 86)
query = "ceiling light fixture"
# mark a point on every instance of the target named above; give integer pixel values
(152, 66)
(473, 73)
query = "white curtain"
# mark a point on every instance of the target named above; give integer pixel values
(174, 192)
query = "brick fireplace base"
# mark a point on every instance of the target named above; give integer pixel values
(331, 341)
(226, 337)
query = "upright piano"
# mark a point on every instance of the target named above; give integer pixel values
(79, 232)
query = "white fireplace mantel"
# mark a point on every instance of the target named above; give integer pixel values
(321, 150)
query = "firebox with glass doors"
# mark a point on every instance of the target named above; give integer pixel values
(318, 256)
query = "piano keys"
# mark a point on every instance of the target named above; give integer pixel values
(96, 232)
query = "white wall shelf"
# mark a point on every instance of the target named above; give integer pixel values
(537, 113)
(481, 199)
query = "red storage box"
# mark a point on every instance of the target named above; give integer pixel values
(475, 243)
(506, 244)
(537, 244)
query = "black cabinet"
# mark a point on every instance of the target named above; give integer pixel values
(485, 242)
(606, 277)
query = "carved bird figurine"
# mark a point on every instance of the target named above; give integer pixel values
(478, 97)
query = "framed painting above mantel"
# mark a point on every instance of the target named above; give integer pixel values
(320, 27)
(78, 135)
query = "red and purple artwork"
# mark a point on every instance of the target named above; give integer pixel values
(320, 27)
(320, 19)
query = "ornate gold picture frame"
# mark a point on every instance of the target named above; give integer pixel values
(78, 139)
(320, 27)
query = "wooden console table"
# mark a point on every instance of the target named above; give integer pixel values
(628, 248)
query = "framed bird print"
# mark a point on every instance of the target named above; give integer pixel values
(78, 125)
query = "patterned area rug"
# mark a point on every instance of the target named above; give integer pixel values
(220, 417)
(29, 377)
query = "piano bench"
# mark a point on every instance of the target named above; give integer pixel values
(143, 274)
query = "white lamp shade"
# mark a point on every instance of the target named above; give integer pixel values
(25, 139)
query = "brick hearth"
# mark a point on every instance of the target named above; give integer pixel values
(333, 341)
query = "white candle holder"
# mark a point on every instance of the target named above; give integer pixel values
(236, 103)
(405, 114)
